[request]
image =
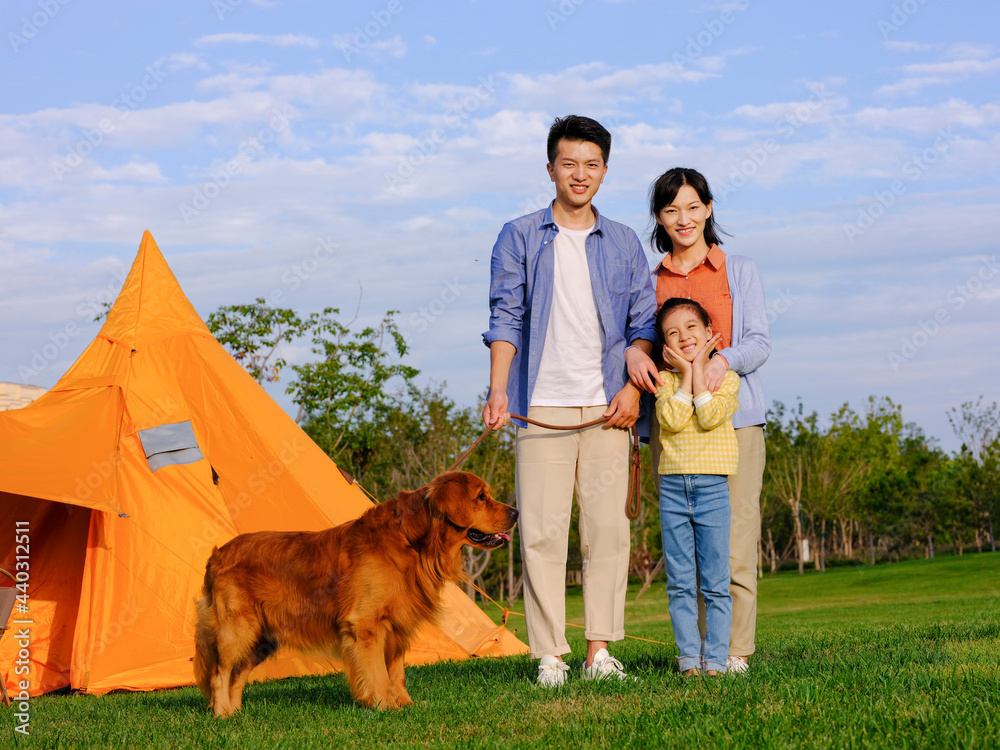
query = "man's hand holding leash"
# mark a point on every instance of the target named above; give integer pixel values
(495, 412)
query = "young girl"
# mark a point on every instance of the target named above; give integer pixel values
(698, 453)
(730, 289)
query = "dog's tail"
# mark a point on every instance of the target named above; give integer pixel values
(206, 649)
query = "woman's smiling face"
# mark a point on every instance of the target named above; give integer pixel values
(684, 219)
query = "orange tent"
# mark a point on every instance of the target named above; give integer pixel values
(154, 447)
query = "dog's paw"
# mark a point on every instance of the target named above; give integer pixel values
(378, 702)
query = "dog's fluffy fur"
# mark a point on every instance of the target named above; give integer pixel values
(358, 591)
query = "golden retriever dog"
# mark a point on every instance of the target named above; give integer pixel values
(358, 591)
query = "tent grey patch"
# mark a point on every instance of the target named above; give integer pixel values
(170, 444)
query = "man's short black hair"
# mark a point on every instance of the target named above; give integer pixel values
(578, 128)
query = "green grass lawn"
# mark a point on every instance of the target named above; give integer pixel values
(896, 656)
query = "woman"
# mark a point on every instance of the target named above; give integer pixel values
(729, 287)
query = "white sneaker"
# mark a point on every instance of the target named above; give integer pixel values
(735, 665)
(605, 667)
(552, 672)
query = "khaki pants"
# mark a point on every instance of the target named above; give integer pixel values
(744, 535)
(550, 466)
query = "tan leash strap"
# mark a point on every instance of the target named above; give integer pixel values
(635, 475)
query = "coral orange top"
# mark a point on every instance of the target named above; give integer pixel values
(706, 284)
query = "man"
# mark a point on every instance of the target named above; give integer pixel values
(571, 299)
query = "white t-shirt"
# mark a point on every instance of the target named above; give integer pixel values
(570, 371)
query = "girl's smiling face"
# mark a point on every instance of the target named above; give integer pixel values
(684, 219)
(685, 333)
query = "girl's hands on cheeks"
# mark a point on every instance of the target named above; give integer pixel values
(701, 358)
(675, 360)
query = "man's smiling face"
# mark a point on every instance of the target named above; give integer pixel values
(577, 171)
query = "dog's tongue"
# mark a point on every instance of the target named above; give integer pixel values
(505, 537)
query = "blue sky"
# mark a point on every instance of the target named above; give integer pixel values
(312, 152)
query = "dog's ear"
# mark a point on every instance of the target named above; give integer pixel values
(414, 515)
(450, 495)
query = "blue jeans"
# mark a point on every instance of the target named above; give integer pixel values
(694, 525)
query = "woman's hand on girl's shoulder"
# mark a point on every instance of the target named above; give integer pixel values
(715, 372)
(702, 357)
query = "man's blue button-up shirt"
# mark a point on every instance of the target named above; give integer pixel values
(521, 282)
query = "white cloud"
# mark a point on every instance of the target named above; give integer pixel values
(927, 119)
(919, 76)
(955, 68)
(147, 172)
(599, 88)
(970, 50)
(375, 49)
(910, 86)
(812, 109)
(325, 175)
(278, 40)
(895, 46)
(732, 6)
(183, 61)
(645, 138)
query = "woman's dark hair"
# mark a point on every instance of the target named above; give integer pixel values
(675, 303)
(578, 128)
(662, 193)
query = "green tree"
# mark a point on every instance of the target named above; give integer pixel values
(839, 461)
(976, 484)
(253, 333)
(344, 398)
(919, 490)
(791, 439)
(877, 438)
(978, 427)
